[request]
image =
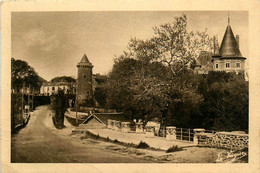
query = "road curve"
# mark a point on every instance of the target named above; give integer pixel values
(38, 143)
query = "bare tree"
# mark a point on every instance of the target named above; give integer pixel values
(177, 46)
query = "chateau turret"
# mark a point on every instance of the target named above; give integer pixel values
(229, 58)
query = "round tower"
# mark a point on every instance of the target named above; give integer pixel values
(84, 81)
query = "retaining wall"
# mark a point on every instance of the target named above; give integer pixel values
(230, 140)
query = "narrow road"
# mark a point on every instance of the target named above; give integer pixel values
(39, 142)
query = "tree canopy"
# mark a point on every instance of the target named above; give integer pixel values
(226, 101)
(22, 73)
(154, 79)
(59, 104)
(67, 79)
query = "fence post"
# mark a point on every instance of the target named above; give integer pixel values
(181, 133)
(196, 138)
(189, 134)
(171, 133)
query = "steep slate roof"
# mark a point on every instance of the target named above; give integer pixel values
(85, 59)
(229, 47)
(103, 117)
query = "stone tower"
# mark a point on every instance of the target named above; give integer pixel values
(84, 81)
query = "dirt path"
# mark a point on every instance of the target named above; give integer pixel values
(40, 142)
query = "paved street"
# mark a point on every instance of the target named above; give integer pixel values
(39, 142)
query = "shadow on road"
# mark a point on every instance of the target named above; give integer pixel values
(16, 130)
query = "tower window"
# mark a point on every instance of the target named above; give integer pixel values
(227, 65)
(216, 65)
(238, 65)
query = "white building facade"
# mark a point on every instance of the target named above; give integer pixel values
(50, 88)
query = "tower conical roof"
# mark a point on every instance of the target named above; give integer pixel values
(229, 46)
(85, 59)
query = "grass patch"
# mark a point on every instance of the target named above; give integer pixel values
(173, 149)
(142, 145)
(91, 135)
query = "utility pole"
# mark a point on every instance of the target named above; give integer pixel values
(76, 103)
(77, 121)
(32, 97)
(29, 95)
(22, 96)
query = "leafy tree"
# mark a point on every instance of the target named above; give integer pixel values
(146, 77)
(185, 101)
(156, 75)
(21, 73)
(16, 110)
(225, 105)
(67, 79)
(177, 49)
(59, 103)
(119, 95)
(100, 95)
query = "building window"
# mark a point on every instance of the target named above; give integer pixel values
(53, 88)
(238, 65)
(227, 65)
(85, 76)
(216, 65)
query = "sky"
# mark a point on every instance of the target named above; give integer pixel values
(54, 42)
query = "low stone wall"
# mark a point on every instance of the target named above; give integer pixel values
(230, 140)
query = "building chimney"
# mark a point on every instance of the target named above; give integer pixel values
(237, 39)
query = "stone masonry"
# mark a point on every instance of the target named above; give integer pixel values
(84, 87)
(230, 140)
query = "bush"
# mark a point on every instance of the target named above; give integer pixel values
(59, 104)
(142, 145)
(92, 136)
(173, 149)
(116, 141)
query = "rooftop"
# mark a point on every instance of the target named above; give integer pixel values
(85, 59)
(229, 47)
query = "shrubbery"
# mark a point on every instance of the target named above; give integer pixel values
(142, 145)
(173, 149)
(59, 104)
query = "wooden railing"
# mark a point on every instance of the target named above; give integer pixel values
(184, 134)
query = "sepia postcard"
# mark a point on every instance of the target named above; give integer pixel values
(130, 86)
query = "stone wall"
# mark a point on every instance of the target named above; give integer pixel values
(230, 140)
(232, 62)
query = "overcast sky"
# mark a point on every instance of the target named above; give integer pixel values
(54, 42)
